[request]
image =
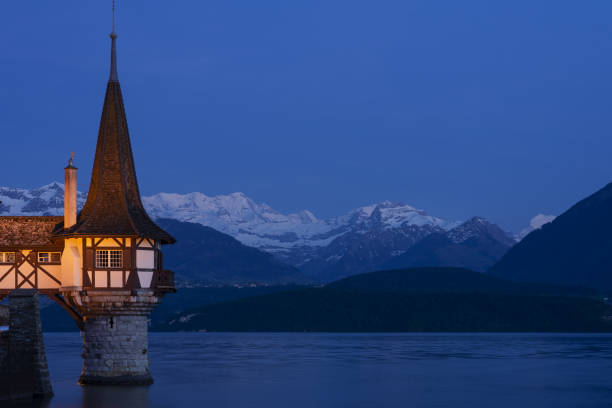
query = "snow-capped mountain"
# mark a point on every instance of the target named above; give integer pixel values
(362, 240)
(235, 214)
(536, 223)
(46, 200)
(261, 226)
(254, 224)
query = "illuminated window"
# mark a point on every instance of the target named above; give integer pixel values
(7, 257)
(101, 259)
(49, 257)
(115, 259)
(108, 258)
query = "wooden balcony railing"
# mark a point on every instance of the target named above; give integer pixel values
(165, 280)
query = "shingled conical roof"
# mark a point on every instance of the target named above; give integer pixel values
(113, 205)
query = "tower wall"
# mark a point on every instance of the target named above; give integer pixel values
(115, 350)
(115, 335)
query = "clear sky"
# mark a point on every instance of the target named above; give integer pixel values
(498, 109)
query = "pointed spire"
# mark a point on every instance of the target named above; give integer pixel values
(113, 68)
(113, 205)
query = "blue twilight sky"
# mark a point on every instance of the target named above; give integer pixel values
(499, 109)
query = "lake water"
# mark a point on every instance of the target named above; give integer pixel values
(351, 370)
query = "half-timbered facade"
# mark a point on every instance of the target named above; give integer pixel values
(118, 262)
(29, 257)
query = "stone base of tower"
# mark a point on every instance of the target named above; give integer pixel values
(115, 350)
(114, 328)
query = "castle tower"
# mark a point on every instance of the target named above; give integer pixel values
(111, 266)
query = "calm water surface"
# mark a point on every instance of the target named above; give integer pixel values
(351, 370)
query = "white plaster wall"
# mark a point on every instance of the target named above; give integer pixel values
(145, 259)
(26, 268)
(72, 263)
(116, 279)
(145, 279)
(44, 281)
(8, 282)
(101, 279)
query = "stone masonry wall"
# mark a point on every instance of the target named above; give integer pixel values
(4, 341)
(24, 373)
(4, 345)
(4, 315)
(115, 350)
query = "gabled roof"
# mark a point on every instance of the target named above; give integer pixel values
(29, 232)
(113, 205)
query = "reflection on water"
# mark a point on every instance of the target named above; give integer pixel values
(107, 397)
(37, 403)
(350, 370)
(93, 397)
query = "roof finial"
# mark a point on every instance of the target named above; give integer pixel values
(114, 17)
(71, 161)
(113, 72)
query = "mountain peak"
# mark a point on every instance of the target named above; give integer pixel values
(535, 223)
(478, 227)
(55, 185)
(391, 204)
(477, 220)
(390, 214)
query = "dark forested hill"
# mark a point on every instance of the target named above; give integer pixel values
(449, 280)
(575, 249)
(423, 299)
(419, 299)
(54, 318)
(330, 310)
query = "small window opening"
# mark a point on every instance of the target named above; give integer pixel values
(49, 257)
(7, 257)
(108, 258)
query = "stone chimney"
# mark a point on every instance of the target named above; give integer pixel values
(70, 194)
